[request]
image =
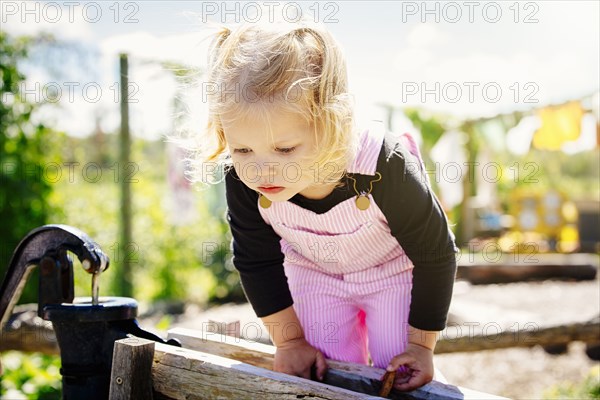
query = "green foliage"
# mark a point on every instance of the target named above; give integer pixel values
(25, 151)
(30, 376)
(431, 127)
(588, 388)
(186, 262)
(170, 262)
(578, 176)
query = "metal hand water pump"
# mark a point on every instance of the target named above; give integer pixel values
(86, 328)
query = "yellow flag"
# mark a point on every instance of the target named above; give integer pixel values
(560, 124)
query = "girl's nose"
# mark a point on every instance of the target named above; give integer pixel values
(267, 168)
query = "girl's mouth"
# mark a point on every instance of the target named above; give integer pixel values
(270, 189)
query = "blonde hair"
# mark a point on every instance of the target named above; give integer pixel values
(297, 66)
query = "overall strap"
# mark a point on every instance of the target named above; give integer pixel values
(370, 142)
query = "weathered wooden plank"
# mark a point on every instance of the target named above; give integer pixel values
(355, 377)
(132, 369)
(25, 331)
(254, 353)
(188, 374)
(529, 336)
(229, 328)
(505, 268)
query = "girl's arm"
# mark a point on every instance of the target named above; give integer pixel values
(294, 355)
(283, 326)
(426, 339)
(417, 221)
(417, 360)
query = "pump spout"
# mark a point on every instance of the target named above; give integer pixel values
(86, 328)
(47, 248)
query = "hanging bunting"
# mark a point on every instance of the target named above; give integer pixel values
(450, 156)
(560, 124)
(518, 139)
(494, 132)
(588, 140)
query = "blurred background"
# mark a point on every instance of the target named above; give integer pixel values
(502, 96)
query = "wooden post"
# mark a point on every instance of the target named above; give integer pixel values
(131, 374)
(467, 218)
(124, 276)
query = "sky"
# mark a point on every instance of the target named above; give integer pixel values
(467, 59)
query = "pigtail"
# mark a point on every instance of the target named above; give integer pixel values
(215, 60)
(332, 106)
(217, 43)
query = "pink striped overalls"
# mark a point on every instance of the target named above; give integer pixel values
(349, 278)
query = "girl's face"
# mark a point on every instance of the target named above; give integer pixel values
(273, 160)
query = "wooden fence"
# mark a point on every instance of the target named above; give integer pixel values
(216, 366)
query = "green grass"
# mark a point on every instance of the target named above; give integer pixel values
(588, 388)
(30, 376)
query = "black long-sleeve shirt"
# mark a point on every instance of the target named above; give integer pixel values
(414, 216)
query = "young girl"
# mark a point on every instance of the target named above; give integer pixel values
(343, 250)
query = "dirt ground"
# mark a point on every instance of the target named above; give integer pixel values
(515, 373)
(523, 373)
(519, 373)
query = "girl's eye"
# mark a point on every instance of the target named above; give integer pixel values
(286, 150)
(241, 151)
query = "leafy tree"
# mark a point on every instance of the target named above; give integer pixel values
(24, 189)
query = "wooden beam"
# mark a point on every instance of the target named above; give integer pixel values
(505, 268)
(188, 374)
(132, 369)
(26, 331)
(529, 336)
(355, 377)
(229, 328)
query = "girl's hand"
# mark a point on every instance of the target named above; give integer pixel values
(415, 367)
(297, 356)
